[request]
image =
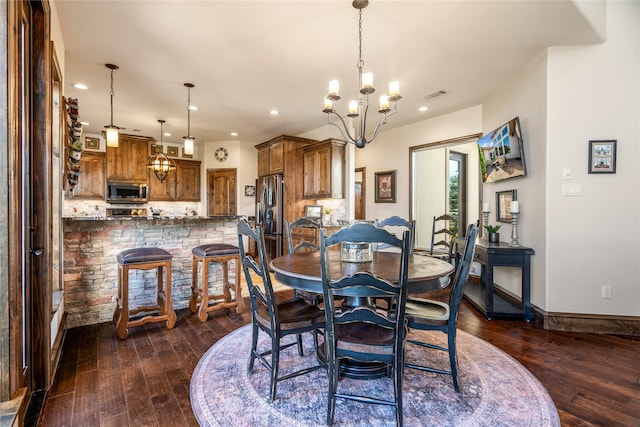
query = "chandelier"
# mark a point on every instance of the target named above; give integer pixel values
(112, 131)
(159, 163)
(359, 108)
(188, 140)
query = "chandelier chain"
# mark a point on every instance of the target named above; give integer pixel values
(360, 61)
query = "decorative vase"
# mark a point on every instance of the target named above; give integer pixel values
(494, 237)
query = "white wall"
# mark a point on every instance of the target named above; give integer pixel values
(524, 96)
(242, 156)
(594, 239)
(391, 151)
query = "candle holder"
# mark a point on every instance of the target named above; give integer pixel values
(514, 229)
(485, 216)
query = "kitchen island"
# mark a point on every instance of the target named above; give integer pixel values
(91, 245)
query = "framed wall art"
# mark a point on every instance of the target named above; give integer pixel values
(91, 143)
(156, 149)
(186, 156)
(503, 202)
(249, 190)
(172, 151)
(385, 183)
(602, 156)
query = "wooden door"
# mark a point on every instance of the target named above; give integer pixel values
(221, 191)
(188, 181)
(360, 199)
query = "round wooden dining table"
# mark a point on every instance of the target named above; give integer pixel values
(302, 270)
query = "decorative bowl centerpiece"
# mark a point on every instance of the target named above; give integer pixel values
(356, 252)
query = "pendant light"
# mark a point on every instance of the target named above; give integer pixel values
(112, 131)
(159, 163)
(358, 108)
(188, 140)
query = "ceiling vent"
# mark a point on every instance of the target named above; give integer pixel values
(436, 94)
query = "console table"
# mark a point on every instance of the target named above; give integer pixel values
(484, 297)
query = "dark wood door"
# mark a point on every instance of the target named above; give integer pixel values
(221, 194)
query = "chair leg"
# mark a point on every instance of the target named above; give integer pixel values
(275, 363)
(398, 375)
(254, 346)
(333, 368)
(453, 360)
(299, 340)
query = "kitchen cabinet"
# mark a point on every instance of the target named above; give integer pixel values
(324, 166)
(271, 159)
(128, 161)
(181, 185)
(91, 183)
(283, 155)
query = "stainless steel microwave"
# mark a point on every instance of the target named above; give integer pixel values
(118, 192)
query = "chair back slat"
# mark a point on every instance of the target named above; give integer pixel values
(257, 296)
(463, 269)
(394, 222)
(302, 223)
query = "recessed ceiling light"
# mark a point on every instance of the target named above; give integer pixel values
(85, 123)
(81, 86)
(167, 134)
(274, 112)
(193, 108)
(423, 108)
(234, 133)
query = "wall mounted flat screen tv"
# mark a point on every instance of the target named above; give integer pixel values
(501, 153)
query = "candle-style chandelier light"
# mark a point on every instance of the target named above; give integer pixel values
(359, 108)
(159, 163)
(188, 140)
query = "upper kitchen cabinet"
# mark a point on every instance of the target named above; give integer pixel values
(324, 165)
(283, 155)
(91, 183)
(271, 159)
(181, 185)
(128, 161)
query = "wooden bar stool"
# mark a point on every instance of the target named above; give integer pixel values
(143, 259)
(221, 253)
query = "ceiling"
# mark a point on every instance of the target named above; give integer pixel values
(248, 57)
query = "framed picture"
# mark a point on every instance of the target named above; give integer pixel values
(156, 149)
(91, 143)
(385, 187)
(602, 156)
(186, 156)
(313, 211)
(503, 202)
(172, 151)
(249, 190)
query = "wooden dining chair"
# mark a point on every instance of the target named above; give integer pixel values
(443, 231)
(394, 223)
(312, 227)
(360, 332)
(430, 315)
(277, 319)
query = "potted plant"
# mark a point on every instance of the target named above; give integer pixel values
(494, 236)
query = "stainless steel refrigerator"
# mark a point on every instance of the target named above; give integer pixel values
(269, 213)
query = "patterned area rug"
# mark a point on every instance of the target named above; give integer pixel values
(495, 389)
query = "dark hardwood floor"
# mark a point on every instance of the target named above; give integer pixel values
(593, 379)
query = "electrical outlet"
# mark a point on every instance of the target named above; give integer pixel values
(606, 292)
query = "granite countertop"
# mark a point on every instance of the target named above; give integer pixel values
(159, 217)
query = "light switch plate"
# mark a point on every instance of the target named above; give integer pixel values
(572, 189)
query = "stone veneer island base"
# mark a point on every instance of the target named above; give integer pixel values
(91, 269)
